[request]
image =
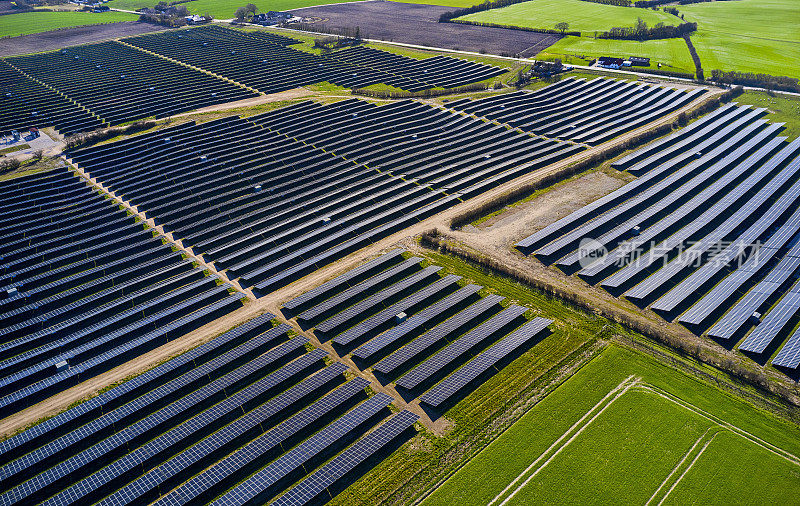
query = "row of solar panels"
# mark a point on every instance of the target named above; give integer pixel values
(83, 87)
(25, 103)
(590, 112)
(273, 197)
(262, 62)
(84, 286)
(250, 416)
(118, 83)
(439, 71)
(709, 234)
(415, 327)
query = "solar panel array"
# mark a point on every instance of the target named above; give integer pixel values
(439, 71)
(243, 416)
(265, 62)
(590, 112)
(273, 197)
(26, 103)
(708, 235)
(415, 326)
(84, 87)
(84, 286)
(118, 83)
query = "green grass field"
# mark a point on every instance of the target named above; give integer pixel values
(25, 23)
(758, 36)
(586, 17)
(671, 52)
(223, 9)
(582, 445)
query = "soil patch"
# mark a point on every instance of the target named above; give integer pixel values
(418, 24)
(57, 39)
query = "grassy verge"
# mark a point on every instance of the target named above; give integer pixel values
(5, 151)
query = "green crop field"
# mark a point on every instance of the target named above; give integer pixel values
(25, 23)
(673, 53)
(224, 9)
(585, 17)
(631, 431)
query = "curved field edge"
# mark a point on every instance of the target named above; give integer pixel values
(497, 466)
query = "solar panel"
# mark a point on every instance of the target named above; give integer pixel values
(459, 348)
(207, 483)
(310, 488)
(483, 362)
(347, 279)
(419, 322)
(261, 484)
(441, 333)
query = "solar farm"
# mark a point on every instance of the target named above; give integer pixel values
(707, 235)
(236, 268)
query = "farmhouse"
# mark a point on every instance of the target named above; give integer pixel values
(610, 62)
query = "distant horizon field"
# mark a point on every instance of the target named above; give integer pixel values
(586, 17)
(25, 23)
(673, 438)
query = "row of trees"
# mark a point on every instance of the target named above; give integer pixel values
(781, 83)
(642, 32)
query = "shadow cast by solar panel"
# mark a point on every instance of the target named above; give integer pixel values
(435, 413)
(359, 471)
(794, 374)
(730, 344)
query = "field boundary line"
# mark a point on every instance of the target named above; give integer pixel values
(794, 459)
(560, 444)
(686, 471)
(679, 464)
